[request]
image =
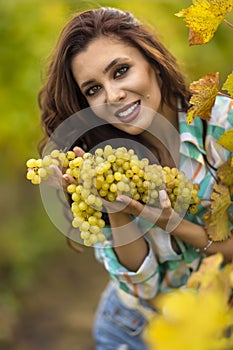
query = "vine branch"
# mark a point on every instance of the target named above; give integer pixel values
(228, 23)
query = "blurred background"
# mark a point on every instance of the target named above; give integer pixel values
(48, 292)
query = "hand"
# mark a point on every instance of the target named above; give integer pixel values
(59, 180)
(164, 217)
(68, 179)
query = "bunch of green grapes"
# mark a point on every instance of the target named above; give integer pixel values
(106, 174)
(40, 169)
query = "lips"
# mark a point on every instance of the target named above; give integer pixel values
(129, 112)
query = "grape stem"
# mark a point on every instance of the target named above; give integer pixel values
(228, 23)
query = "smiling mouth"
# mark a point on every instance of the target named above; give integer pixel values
(128, 112)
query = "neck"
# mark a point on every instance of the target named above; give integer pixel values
(164, 142)
(160, 152)
(170, 114)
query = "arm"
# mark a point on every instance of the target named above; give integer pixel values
(129, 245)
(196, 236)
(185, 230)
(129, 259)
(132, 253)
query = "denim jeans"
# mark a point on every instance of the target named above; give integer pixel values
(116, 326)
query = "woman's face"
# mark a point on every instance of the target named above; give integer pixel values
(118, 82)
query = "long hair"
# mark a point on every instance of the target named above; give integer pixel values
(61, 97)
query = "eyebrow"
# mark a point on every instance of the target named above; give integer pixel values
(114, 62)
(106, 70)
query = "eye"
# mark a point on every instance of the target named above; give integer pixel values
(92, 90)
(120, 71)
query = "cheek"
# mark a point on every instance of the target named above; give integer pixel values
(147, 83)
(155, 92)
(102, 112)
(153, 79)
(140, 83)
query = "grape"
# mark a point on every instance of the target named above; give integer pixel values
(55, 153)
(36, 180)
(85, 235)
(30, 174)
(71, 188)
(107, 173)
(77, 222)
(46, 161)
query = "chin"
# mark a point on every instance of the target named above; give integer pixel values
(133, 130)
(137, 131)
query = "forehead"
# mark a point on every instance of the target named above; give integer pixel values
(106, 45)
(99, 53)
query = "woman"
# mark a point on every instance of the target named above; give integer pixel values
(107, 61)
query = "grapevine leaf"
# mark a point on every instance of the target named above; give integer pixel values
(211, 275)
(225, 173)
(203, 18)
(226, 140)
(204, 92)
(216, 220)
(206, 271)
(228, 85)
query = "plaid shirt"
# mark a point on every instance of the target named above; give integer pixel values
(163, 268)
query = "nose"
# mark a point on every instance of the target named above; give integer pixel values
(114, 94)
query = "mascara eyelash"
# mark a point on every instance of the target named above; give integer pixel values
(121, 67)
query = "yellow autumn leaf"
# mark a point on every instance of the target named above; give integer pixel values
(228, 85)
(207, 294)
(212, 275)
(204, 92)
(207, 271)
(204, 17)
(225, 173)
(226, 140)
(191, 320)
(216, 220)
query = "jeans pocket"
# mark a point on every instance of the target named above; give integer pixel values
(129, 320)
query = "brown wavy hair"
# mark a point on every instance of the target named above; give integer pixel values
(61, 96)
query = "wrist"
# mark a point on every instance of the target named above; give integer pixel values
(206, 247)
(170, 222)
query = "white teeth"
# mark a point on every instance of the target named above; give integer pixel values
(128, 111)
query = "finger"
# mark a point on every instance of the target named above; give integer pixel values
(131, 206)
(69, 179)
(78, 151)
(55, 179)
(164, 200)
(113, 207)
(169, 218)
(56, 171)
(53, 182)
(144, 211)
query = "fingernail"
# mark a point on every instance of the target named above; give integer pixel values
(163, 195)
(66, 177)
(119, 199)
